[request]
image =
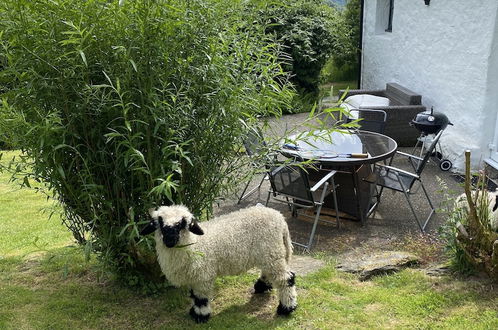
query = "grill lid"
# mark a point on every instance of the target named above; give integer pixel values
(430, 122)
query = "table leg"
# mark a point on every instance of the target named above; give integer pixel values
(356, 181)
(363, 190)
(354, 194)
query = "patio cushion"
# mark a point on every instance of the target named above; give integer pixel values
(363, 101)
(353, 114)
(366, 100)
(404, 105)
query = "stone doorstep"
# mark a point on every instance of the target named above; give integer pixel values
(366, 267)
(386, 262)
(437, 270)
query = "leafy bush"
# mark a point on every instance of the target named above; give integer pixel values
(350, 36)
(448, 230)
(332, 72)
(304, 27)
(472, 242)
(119, 108)
(344, 63)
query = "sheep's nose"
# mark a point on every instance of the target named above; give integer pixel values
(170, 241)
(170, 244)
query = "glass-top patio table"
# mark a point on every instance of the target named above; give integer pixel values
(350, 153)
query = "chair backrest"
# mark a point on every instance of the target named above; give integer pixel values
(428, 154)
(399, 95)
(291, 181)
(254, 141)
(372, 120)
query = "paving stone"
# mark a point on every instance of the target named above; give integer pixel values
(438, 270)
(384, 262)
(304, 265)
(301, 265)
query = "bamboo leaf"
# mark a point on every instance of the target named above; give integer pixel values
(133, 64)
(83, 57)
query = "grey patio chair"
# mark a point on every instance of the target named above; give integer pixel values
(386, 176)
(372, 120)
(255, 145)
(404, 105)
(290, 184)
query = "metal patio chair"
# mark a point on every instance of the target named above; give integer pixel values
(255, 145)
(372, 120)
(386, 176)
(290, 184)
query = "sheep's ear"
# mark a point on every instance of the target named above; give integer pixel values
(195, 228)
(152, 212)
(150, 228)
(496, 203)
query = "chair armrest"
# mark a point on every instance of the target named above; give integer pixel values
(278, 169)
(395, 169)
(272, 155)
(408, 155)
(376, 92)
(323, 180)
(418, 108)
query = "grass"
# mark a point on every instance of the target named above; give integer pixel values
(336, 86)
(25, 227)
(55, 287)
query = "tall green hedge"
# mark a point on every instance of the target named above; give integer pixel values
(305, 29)
(346, 55)
(123, 105)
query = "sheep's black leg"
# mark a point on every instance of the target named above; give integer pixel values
(262, 285)
(200, 311)
(287, 295)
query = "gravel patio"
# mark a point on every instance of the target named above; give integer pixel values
(391, 227)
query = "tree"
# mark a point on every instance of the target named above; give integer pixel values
(119, 108)
(304, 29)
(346, 51)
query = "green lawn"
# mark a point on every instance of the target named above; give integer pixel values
(48, 284)
(25, 227)
(336, 86)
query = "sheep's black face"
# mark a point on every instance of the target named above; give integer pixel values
(171, 233)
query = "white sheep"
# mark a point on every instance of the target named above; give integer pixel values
(192, 256)
(461, 202)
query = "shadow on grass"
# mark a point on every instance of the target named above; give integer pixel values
(61, 290)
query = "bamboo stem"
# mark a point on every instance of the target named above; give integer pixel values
(494, 259)
(473, 221)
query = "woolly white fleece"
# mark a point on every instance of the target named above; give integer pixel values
(232, 244)
(461, 202)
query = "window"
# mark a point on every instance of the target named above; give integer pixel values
(384, 16)
(390, 19)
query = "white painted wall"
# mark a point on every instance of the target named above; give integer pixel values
(491, 103)
(447, 52)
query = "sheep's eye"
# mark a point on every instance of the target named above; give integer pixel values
(183, 224)
(160, 221)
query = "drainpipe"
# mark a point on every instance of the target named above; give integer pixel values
(360, 43)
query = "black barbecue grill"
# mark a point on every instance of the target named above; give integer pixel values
(430, 123)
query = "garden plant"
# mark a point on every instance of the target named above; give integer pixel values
(304, 27)
(472, 241)
(119, 106)
(122, 106)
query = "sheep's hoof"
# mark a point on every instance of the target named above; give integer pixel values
(198, 318)
(285, 310)
(261, 286)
